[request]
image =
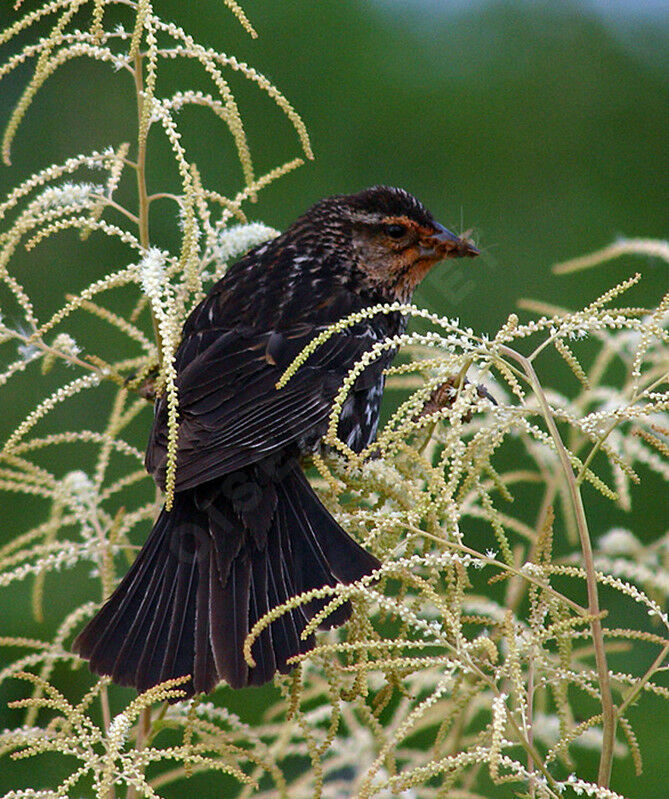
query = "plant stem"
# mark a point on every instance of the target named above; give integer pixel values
(143, 197)
(142, 194)
(608, 709)
(164, 195)
(505, 567)
(530, 728)
(106, 720)
(143, 730)
(636, 689)
(113, 204)
(40, 344)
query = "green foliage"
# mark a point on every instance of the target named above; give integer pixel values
(463, 666)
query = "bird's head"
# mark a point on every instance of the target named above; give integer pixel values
(392, 239)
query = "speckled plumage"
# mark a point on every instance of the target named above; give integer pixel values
(247, 531)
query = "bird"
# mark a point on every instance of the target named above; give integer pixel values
(247, 531)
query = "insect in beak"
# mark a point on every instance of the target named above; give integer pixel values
(445, 244)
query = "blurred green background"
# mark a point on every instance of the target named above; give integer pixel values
(542, 126)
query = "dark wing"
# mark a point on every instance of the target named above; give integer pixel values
(230, 411)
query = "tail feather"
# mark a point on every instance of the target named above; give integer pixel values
(226, 537)
(289, 626)
(103, 637)
(205, 577)
(345, 557)
(263, 647)
(204, 668)
(150, 663)
(133, 664)
(232, 666)
(217, 599)
(130, 653)
(311, 568)
(180, 645)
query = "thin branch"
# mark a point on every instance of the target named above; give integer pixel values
(165, 195)
(142, 194)
(650, 247)
(636, 690)
(608, 708)
(113, 204)
(143, 732)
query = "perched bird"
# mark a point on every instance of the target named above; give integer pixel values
(246, 531)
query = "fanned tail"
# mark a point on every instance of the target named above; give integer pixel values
(210, 569)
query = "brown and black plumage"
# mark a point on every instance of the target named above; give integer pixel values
(247, 531)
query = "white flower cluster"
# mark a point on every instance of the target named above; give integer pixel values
(580, 787)
(532, 569)
(79, 492)
(79, 485)
(66, 344)
(235, 240)
(650, 575)
(619, 541)
(118, 730)
(119, 61)
(58, 555)
(499, 715)
(29, 352)
(151, 271)
(68, 194)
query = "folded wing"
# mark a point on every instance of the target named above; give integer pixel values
(230, 412)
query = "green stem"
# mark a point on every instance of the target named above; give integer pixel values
(608, 708)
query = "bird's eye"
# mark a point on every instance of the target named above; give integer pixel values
(395, 230)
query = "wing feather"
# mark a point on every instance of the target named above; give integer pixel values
(230, 412)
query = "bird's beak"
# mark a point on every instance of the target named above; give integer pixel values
(445, 244)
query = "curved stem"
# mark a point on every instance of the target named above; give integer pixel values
(164, 195)
(608, 708)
